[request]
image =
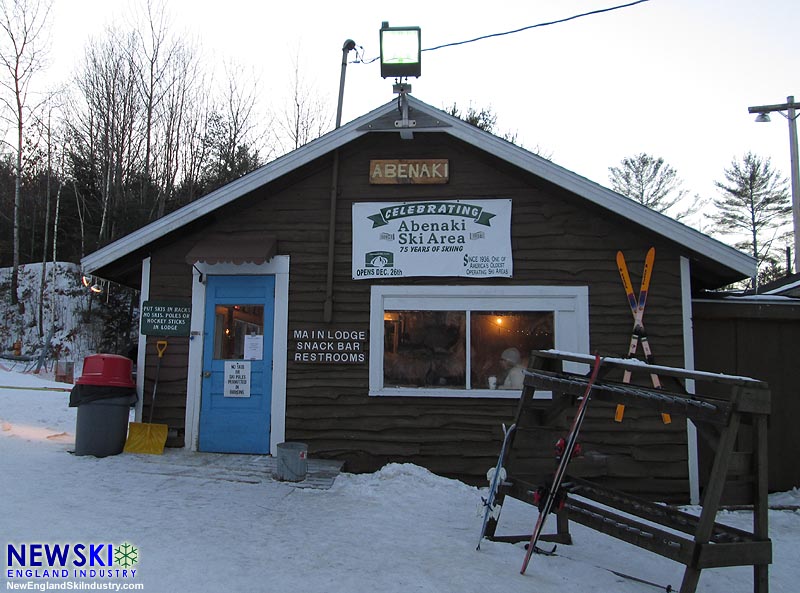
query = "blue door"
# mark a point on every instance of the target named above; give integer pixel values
(236, 394)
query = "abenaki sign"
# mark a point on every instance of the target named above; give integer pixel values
(470, 238)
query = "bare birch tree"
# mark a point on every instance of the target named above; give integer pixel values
(183, 76)
(49, 141)
(23, 48)
(167, 69)
(107, 121)
(307, 115)
(150, 130)
(152, 55)
(234, 132)
(194, 146)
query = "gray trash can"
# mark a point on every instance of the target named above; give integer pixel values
(102, 426)
(292, 463)
(103, 395)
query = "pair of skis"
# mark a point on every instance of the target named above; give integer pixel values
(638, 335)
(552, 495)
(497, 478)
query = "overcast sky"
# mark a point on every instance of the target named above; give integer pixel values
(672, 78)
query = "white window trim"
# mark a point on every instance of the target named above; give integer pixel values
(688, 363)
(144, 295)
(570, 305)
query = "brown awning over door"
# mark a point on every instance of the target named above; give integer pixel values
(234, 247)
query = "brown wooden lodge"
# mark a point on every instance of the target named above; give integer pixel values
(373, 296)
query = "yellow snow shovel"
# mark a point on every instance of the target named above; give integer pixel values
(148, 437)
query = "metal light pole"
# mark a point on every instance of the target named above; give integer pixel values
(349, 45)
(790, 107)
(327, 307)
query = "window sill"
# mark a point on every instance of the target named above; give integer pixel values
(459, 393)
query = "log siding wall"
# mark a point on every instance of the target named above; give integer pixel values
(557, 239)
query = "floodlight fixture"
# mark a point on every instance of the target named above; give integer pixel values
(401, 51)
(763, 118)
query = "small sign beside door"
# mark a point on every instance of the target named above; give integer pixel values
(166, 318)
(237, 378)
(328, 344)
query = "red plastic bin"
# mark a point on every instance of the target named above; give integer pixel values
(111, 370)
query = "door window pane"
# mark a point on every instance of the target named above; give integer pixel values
(501, 343)
(233, 323)
(424, 349)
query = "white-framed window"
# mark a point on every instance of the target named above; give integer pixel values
(469, 341)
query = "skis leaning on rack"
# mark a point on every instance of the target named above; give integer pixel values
(497, 477)
(552, 495)
(638, 335)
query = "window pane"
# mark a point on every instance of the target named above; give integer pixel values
(233, 323)
(501, 342)
(424, 349)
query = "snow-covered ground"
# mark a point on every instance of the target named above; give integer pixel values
(401, 529)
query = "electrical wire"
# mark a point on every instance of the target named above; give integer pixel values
(556, 22)
(361, 60)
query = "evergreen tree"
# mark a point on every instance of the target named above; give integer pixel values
(486, 119)
(650, 181)
(754, 202)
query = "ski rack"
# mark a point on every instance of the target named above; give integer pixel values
(698, 542)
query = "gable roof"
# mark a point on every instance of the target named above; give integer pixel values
(428, 119)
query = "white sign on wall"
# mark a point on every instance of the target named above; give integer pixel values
(470, 238)
(237, 378)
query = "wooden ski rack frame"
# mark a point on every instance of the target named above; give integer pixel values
(698, 542)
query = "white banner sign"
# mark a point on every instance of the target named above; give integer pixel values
(469, 238)
(237, 378)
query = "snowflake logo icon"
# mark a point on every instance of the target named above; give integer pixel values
(126, 555)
